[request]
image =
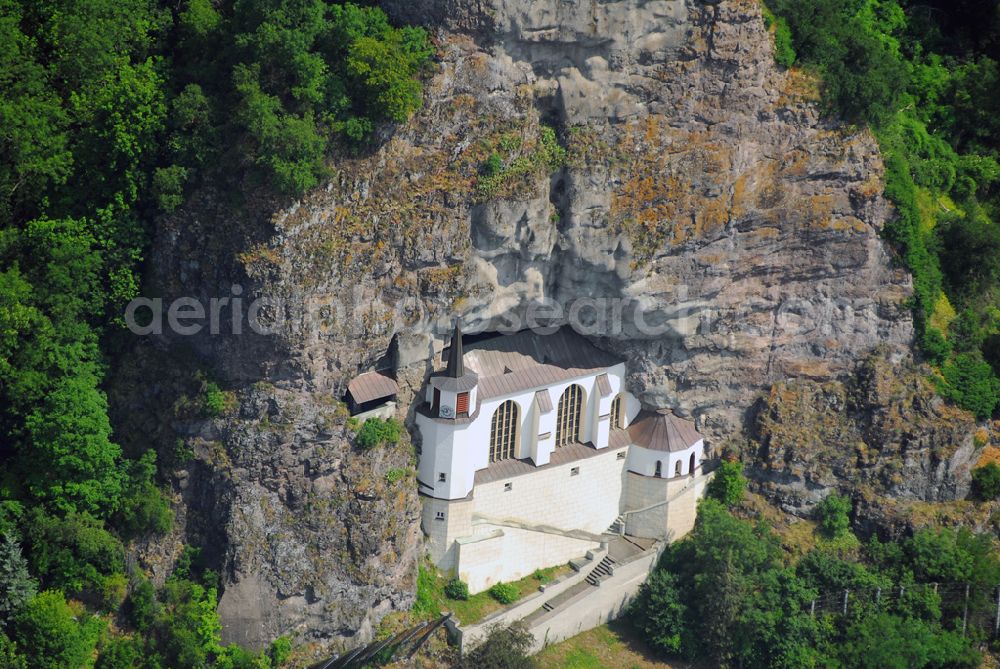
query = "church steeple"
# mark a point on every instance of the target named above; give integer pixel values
(456, 366)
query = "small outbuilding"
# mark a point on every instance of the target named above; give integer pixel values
(369, 392)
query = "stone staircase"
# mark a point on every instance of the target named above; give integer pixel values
(603, 570)
(618, 526)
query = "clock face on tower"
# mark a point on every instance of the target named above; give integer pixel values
(447, 411)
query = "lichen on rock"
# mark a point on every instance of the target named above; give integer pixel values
(699, 185)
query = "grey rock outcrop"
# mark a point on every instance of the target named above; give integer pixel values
(882, 433)
(699, 188)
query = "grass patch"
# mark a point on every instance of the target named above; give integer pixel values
(431, 598)
(511, 160)
(604, 647)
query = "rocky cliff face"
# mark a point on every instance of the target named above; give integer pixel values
(883, 432)
(688, 181)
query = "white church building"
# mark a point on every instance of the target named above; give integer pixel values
(531, 448)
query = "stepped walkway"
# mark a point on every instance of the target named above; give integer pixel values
(604, 582)
(621, 550)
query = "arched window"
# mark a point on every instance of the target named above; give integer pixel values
(678, 467)
(568, 415)
(503, 431)
(617, 417)
(691, 465)
(659, 469)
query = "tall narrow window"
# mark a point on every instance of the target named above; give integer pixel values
(462, 404)
(691, 466)
(677, 467)
(659, 469)
(503, 431)
(436, 402)
(617, 419)
(568, 415)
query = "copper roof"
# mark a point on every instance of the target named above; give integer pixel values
(371, 386)
(505, 469)
(663, 431)
(517, 362)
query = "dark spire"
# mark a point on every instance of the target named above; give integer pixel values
(456, 368)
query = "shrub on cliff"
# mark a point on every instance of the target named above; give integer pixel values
(376, 431)
(728, 484)
(52, 635)
(834, 515)
(970, 383)
(986, 481)
(505, 593)
(784, 52)
(503, 648)
(456, 589)
(658, 612)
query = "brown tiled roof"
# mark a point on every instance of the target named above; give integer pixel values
(371, 386)
(517, 362)
(618, 438)
(603, 385)
(663, 431)
(505, 469)
(442, 381)
(544, 400)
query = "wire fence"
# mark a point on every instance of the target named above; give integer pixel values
(967, 606)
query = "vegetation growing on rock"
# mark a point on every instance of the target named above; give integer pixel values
(925, 79)
(726, 595)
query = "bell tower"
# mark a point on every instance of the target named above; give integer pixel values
(451, 394)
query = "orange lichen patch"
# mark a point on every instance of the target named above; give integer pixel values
(478, 62)
(848, 224)
(796, 163)
(742, 199)
(260, 254)
(989, 454)
(808, 369)
(713, 216)
(765, 233)
(870, 187)
(800, 86)
(710, 259)
(821, 205)
(440, 280)
(662, 174)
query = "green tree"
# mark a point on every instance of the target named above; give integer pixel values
(728, 484)
(969, 381)
(16, 584)
(986, 481)
(9, 657)
(834, 515)
(503, 648)
(658, 612)
(51, 637)
(121, 653)
(74, 553)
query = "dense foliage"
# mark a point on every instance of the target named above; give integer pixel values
(503, 648)
(986, 481)
(727, 593)
(375, 431)
(728, 484)
(111, 113)
(505, 593)
(456, 589)
(925, 77)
